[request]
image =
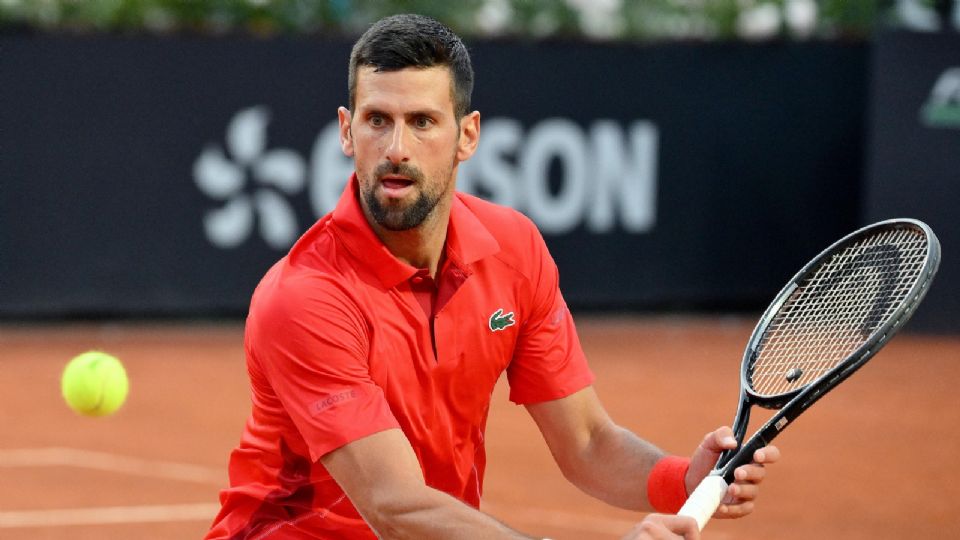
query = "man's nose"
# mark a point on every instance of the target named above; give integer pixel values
(397, 151)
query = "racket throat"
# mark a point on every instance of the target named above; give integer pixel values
(740, 423)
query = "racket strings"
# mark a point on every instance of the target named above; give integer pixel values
(834, 310)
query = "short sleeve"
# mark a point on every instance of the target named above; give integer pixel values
(309, 340)
(548, 361)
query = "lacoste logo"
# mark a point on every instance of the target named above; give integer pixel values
(335, 399)
(942, 108)
(276, 174)
(499, 320)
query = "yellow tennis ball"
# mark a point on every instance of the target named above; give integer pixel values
(94, 384)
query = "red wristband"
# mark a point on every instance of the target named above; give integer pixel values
(666, 485)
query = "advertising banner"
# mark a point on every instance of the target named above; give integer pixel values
(914, 152)
(163, 176)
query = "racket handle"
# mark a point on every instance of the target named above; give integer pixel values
(703, 502)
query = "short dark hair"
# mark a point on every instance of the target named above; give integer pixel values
(402, 41)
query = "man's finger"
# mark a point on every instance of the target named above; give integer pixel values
(767, 454)
(749, 473)
(719, 440)
(734, 510)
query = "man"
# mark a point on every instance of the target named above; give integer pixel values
(374, 346)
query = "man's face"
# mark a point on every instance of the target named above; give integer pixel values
(406, 143)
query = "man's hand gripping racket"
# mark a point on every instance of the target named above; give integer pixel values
(832, 317)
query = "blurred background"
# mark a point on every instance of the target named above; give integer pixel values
(682, 158)
(159, 155)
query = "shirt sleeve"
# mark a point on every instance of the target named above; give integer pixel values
(311, 344)
(548, 362)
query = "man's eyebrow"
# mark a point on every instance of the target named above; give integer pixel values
(376, 108)
(424, 112)
(368, 110)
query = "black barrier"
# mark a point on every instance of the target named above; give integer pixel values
(914, 152)
(149, 176)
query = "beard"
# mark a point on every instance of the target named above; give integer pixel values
(397, 215)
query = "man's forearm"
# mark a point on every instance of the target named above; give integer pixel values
(613, 467)
(598, 456)
(382, 477)
(431, 514)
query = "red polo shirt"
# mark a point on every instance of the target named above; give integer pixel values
(344, 340)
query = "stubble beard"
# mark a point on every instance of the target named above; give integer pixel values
(397, 215)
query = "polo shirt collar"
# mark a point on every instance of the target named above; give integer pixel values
(468, 240)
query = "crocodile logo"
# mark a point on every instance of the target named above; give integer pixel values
(500, 320)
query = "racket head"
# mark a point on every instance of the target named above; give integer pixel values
(837, 311)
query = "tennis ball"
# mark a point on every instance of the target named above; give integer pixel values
(94, 384)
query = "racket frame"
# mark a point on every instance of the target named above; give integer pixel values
(795, 402)
(703, 502)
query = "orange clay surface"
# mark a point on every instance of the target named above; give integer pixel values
(878, 458)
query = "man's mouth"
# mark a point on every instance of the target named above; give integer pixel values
(396, 186)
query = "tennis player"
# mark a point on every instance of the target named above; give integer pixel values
(373, 347)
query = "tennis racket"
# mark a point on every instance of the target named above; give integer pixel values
(832, 317)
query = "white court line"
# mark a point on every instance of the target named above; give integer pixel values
(103, 461)
(109, 515)
(168, 470)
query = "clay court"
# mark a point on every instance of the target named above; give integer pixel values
(876, 459)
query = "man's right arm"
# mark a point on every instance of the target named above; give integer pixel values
(382, 477)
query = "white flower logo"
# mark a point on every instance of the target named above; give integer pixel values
(274, 172)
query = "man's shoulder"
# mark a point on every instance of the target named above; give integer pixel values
(310, 279)
(509, 227)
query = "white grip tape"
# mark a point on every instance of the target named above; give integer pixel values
(703, 502)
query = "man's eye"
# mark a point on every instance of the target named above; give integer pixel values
(422, 122)
(376, 121)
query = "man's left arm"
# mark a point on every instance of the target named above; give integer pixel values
(612, 464)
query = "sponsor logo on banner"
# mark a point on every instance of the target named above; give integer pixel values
(557, 172)
(251, 182)
(942, 109)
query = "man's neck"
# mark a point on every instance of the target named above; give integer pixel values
(422, 246)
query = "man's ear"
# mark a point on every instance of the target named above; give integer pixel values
(469, 135)
(346, 135)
